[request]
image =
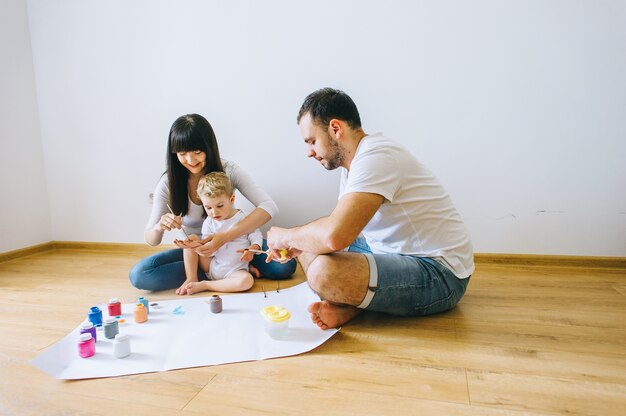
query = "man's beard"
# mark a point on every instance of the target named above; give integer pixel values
(337, 155)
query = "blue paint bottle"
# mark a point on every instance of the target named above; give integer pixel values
(143, 300)
(95, 316)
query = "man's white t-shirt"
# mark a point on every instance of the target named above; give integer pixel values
(417, 216)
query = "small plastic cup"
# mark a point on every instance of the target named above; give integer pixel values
(276, 321)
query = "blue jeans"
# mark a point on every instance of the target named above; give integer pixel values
(408, 285)
(166, 270)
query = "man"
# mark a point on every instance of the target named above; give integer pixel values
(408, 251)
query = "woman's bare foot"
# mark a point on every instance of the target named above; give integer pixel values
(328, 315)
(254, 272)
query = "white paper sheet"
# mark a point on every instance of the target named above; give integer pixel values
(194, 338)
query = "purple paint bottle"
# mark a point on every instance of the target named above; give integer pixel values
(87, 327)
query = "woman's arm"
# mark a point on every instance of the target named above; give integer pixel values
(161, 219)
(265, 209)
(254, 220)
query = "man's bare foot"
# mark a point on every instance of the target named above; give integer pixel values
(195, 287)
(327, 315)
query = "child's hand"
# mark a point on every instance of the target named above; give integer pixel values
(192, 242)
(246, 255)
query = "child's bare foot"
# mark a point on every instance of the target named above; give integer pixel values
(182, 290)
(195, 287)
(327, 315)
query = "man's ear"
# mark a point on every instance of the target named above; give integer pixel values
(335, 128)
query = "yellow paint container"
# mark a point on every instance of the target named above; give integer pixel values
(276, 321)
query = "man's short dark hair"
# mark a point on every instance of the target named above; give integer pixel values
(328, 103)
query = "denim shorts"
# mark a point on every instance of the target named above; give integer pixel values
(407, 285)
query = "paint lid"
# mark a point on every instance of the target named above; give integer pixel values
(141, 299)
(110, 321)
(121, 337)
(140, 306)
(86, 325)
(95, 309)
(114, 300)
(85, 336)
(215, 298)
(275, 313)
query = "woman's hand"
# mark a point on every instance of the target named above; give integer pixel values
(211, 244)
(169, 222)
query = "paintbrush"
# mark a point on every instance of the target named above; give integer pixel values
(251, 250)
(182, 227)
(283, 252)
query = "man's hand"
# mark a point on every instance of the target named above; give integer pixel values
(279, 247)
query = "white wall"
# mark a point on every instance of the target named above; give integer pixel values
(24, 207)
(517, 106)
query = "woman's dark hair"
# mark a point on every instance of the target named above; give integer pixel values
(189, 133)
(328, 103)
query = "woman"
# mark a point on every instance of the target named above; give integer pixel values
(192, 152)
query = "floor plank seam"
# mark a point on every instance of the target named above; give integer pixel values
(469, 398)
(198, 392)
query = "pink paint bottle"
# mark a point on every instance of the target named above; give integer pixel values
(115, 307)
(86, 345)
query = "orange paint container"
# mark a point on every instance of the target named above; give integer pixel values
(141, 313)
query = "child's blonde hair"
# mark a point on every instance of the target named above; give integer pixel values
(214, 184)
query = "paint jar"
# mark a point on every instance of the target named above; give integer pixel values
(216, 304)
(121, 346)
(115, 307)
(276, 321)
(95, 316)
(87, 327)
(86, 345)
(145, 303)
(111, 328)
(141, 314)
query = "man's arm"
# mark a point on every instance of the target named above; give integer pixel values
(332, 233)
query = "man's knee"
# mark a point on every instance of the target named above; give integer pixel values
(317, 273)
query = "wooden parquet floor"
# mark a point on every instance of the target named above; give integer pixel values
(525, 340)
